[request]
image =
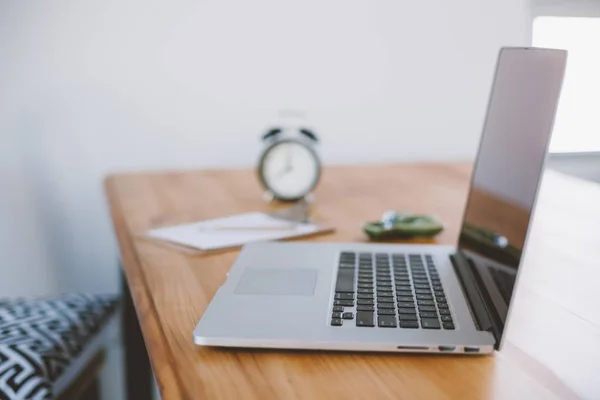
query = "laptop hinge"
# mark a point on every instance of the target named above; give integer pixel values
(483, 313)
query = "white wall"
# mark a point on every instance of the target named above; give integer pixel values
(93, 87)
(566, 8)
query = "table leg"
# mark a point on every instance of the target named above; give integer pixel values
(138, 372)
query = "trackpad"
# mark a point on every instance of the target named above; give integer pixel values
(292, 282)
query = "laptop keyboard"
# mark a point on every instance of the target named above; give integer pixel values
(390, 291)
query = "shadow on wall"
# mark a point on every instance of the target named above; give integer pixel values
(581, 165)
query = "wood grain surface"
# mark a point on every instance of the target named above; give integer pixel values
(553, 346)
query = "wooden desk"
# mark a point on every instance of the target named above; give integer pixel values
(553, 348)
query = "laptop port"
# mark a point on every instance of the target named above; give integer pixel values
(471, 349)
(413, 348)
(446, 348)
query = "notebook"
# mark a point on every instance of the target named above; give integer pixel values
(235, 230)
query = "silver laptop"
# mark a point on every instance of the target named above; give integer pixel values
(409, 298)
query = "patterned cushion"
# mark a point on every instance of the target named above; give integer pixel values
(40, 338)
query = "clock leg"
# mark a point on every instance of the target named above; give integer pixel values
(309, 198)
(268, 196)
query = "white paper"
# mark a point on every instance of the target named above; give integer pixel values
(232, 231)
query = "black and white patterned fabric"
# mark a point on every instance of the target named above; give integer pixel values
(40, 338)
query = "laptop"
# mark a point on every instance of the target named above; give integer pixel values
(409, 298)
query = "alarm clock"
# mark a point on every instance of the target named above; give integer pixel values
(289, 167)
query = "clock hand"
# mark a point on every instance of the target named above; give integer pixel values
(283, 173)
(289, 158)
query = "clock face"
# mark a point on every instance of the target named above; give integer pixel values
(289, 169)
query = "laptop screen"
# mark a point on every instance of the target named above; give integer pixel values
(508, 169)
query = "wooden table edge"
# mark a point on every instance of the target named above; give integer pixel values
(160, 354)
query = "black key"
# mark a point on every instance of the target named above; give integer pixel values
(424, 297)
(443, 305)
(336, 315)
(422, 291)
(403, 293)
(426, 308)
(405, 298)
(365, 276)
(440, 299)
(419, 275)
(405, 304)
(384, 288)
(366, 280)
(444, 312)
(365, 308)
(446, 318)
(438, 288)
(338, 309)
(436, 282)
(344, 296)
(422, 286)
(345, 303)
(385, 300)
(407, 317)
(365, 302)
(403, 288)
(386, 321)
(385, 312)
(364, 319)
(407, 310)
(365, 290)
(365, 296)
(385, 294)
(384, 280)
(430, 323)
(421, 281)
(426, 302)
(438, 293)
(448, 325)
(347, 315)
(345, 281)
(403, 282)
(365, 286)
(336, 322)
(386, 306)
(428, 315)
(409, 324)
